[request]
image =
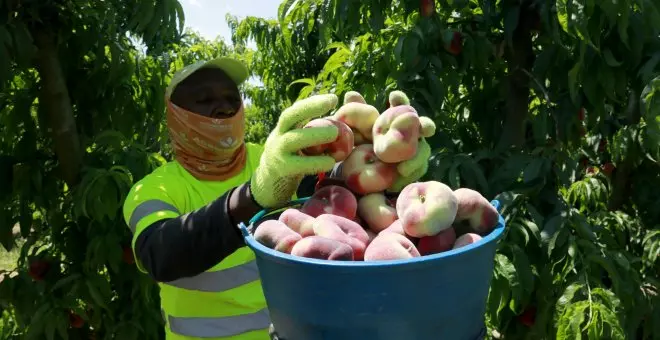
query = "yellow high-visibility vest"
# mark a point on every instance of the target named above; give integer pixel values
(225, 302)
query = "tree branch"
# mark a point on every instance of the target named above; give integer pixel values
(55, 101)
(620, 180)
(520, 58)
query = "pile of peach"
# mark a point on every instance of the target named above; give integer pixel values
(363, 218)
(426, 218)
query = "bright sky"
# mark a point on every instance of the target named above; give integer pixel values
(208, 16)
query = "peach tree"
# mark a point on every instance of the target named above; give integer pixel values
(553, 107)
(82, 119)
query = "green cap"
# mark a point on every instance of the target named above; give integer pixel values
(234, 68)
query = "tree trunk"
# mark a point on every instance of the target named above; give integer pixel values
(620, 181)
(54, 97)
(520, 58)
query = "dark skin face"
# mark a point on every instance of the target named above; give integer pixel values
(208, 92)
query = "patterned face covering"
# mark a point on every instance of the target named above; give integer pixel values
(209, 148)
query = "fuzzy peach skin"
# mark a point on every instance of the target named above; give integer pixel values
(390, 246)
(331, 199)
(350, 228)
(298, 221)
(426, 208)
(360, 117)
(340, 148)
(475, 209)
(329, 229)
(322, 248)
(377, 211)
(397, 228)
(443, 241)
(365, 173)
(466, 239)
(276, 235)
(396, 134)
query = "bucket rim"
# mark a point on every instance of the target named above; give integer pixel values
(261, 250)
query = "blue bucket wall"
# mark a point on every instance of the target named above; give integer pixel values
(441, 296)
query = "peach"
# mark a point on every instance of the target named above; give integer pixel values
(377, 211)
(298, 221)
(390, 246)
(330, 229)
(396, 134)
(331, 199)
(396, 227)
(354, 97)
(365, 173)
(276, 235)
(349, 227)
(426, 208)
(338, 149)
(318, 247)
(443, 241)
(475, 209)
(372, 236)
(466, 239)
(360, 117)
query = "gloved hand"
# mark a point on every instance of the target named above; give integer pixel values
(282, 165)
(413, 169)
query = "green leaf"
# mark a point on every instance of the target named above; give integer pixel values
(573, 77)
(533, 170)
(610, 59)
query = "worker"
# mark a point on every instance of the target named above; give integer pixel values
(184, 215)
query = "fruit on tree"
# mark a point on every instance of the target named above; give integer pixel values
(276, 235)
(466, 239)
(528, 316)
(298, 221)
(396, 134)
(365, 173)
(426, 7)
(360, 117)
(438, 243)
(581, 114)
(330, 229)
(38, 269)
(377, 211)
(473, 208)
(331, 199)
(338, 149)
(351, 228)
(390, 246)
(75, 320)
(453, 42)
(426, 208)
(318, 247)
(608, 168)
(127, 255)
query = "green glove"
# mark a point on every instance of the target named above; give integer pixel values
(413, 169)
(282, 165)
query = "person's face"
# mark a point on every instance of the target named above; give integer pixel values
(208, 92)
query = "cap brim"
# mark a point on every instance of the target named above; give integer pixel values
(235, 69)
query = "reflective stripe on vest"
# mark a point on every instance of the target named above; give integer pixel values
(147, 208)
(210, 327)
(221, 280)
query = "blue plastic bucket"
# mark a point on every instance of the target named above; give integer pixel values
(441, 296)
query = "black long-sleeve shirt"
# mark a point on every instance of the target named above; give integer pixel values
(192, 243)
